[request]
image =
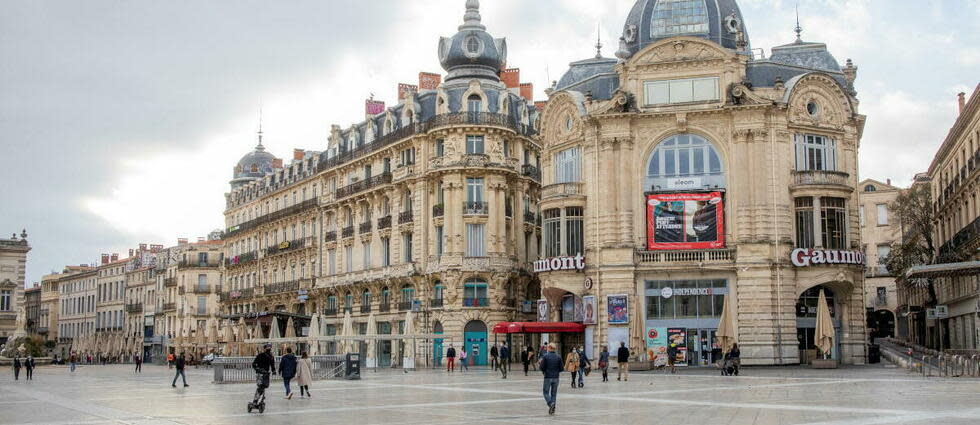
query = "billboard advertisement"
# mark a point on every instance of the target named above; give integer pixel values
(685, 221)
(656, 340)
(617, 309)
(589, 316)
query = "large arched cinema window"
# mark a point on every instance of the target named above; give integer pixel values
(684, 162)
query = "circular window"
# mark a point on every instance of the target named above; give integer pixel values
(812, 108)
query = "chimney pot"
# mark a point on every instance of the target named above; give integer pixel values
(962, 99)
(298, 154)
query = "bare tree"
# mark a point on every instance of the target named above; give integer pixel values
(913, 208)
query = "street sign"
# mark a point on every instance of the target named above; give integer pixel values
(930, 314)
(942, 312)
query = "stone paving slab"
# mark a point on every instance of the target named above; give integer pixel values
(765, 396)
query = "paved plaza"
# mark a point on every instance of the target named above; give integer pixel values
(851, 396)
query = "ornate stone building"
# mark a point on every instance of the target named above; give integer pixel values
(689, 169)
(76, 306)
(879, 231)
(428, 205)
(13, 263)
(187, 280)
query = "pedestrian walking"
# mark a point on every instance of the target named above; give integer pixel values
(672, 358)
(532, 357)
(550, 365)
(287, 369)
(264, 365)
(494, 363)
(170, 360)
(526, 358)
(604, 363)
(584, 366)
(72, 361)
(29, 365)
(504, 360)
(462, 360)
(571, 364)
(451, 359)
(304, 375)
(179, 363)
(623, 358)
(139, 363)
(17, 366)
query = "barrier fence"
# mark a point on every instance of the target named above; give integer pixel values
(234, 370)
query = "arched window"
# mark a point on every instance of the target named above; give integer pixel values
(869, 188)
(385, 296)
(348, 300)
(438, 291)
(474, 103)
(366, 298)
(685, 161)
(408, 295)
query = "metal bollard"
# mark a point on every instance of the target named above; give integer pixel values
(924, 364)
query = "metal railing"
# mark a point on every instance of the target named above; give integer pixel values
(169, 306)
(275, 215)
(700, 256)
(364, 227)
(531, 171)
(405, 217)
(360, 186)
(438, 210)
(365, 308)
(286, 246)
(384, 307)
(200, 289)
(384, 222)
(819, 177)
(245, 258)
(278, 288)
(562, 189)
(134, 308)
(196, 264)
(529, 217)
(239, 369)
(476, 302)
(476, 208)
(238, 294)
(436, 303)
(330, 236)
(169, 282)
(330, 311)
(347, 232)
(404, 305)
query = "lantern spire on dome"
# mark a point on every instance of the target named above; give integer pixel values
(798, 29)
(260, 147)
(472, 19)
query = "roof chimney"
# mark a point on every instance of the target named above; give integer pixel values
(429, 81)
(527, 91)
(114, 257)
(105, 259)
(181, 241)
(200, 238)
(511, 77)
(298, 154)
(130, 253)
(962, 98)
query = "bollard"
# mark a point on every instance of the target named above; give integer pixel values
(925, 360)
(219, 373)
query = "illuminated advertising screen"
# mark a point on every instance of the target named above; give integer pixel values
(685, 221)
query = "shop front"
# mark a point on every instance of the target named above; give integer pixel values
(684, 313)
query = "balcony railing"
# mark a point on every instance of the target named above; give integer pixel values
(360, 186)
(701, 256)
(562, 189)
(438, 210)
(330, 236)
(531, 171)
(238, 294)
(404, 217)
(963, 238)
(201, 289)
(196, 264)
(169, 306)
(384, 222)
(245, 258)
(476, 302)
(275, 215)
(134, 308)
(477, 118)
(476, 208)
(347, 232)
(404, 305)
(384, 307)
(330, 311)
(286, 246)
(816, 177)
(281, 287)
(529, 217)
(364, 228)
(169, 282)
(379, 143)
(436, 303)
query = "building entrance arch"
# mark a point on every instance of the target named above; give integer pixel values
(475, 342)
(806, 321)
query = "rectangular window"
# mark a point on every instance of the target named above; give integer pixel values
(685, 90)
(202, 281)
(574, 231)
(815, 153)
(367, 255)
(440, 147)
(552, 232)
(332, 262)
(439, 241)
(202, 258)
(883, 251)
(5, 300)
(475, 244)
(385, 251)
(833, 222)
(568, 165)
(474, 145)
(408, 156)
(348, 258)
(202, 305)
(882, 214)
(804, 222)
(474, 189)
(407, 248)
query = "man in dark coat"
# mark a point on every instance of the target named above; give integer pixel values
(504, 359)
(494, 363)
(179, 363)
(29, 365)
(451, 359)
(264, 365)
(551, 366)
(17, 366)
(287, 368)
(623, 358)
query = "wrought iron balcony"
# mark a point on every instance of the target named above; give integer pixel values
(476, 302)
(529, 217)
(405, 217)
(347, 232)
(438, 210)
(562, 190)
(169, 282)
(476, 208)
(134, 308)
(384, 222)
(364, 227)
(330, 311)
(245, 258)
(330, 236)
(196, 264)
(365, 308)
(531, 171)
(275, 215)
(169, 306)
(823, 178)
(286, 246)
(281, 287)
(360, 186)
(238, 294)
(384, 307)
(405, 305)
(436, 303)
(201, 289)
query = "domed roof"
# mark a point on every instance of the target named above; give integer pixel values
(806, 55)
(254, 165)
(472, 52)
(652, 20)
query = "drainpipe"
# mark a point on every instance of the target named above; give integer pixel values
(775, 243)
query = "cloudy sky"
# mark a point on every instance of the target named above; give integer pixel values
(120, 122)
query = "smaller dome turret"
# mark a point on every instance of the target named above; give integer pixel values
(472, 52)
(253, 166)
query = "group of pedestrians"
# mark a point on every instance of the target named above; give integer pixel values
(290, 368)
(27, 363)
(578, 364)
(452, 356)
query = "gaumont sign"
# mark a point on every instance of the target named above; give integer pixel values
(560, 263)
(805, 257)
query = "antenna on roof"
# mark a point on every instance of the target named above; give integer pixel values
(798, 29)
(260, 125)
(598, 41)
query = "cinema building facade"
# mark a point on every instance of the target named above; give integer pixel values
(691, 167)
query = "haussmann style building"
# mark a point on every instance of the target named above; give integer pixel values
(691, 167)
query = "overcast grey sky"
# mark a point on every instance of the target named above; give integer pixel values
(120, 121)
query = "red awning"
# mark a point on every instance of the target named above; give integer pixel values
(537, 327)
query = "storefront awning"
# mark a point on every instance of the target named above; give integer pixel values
(537, 327)
(947, 269)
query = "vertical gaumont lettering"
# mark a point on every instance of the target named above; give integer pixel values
(560, 263)
(805, 257)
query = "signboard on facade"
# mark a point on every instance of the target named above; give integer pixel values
(589, 305)
(805, 257)
(373, 107)
(685, 221)
(656, 342)
(554, 264)
(684, 183)
(678, 336)
(667, 292)
(542, 310)
(942, 311)
(617, 307)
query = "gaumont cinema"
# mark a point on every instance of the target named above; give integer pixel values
(694, 165)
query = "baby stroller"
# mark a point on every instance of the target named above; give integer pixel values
(262, 382)
(729, 367)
